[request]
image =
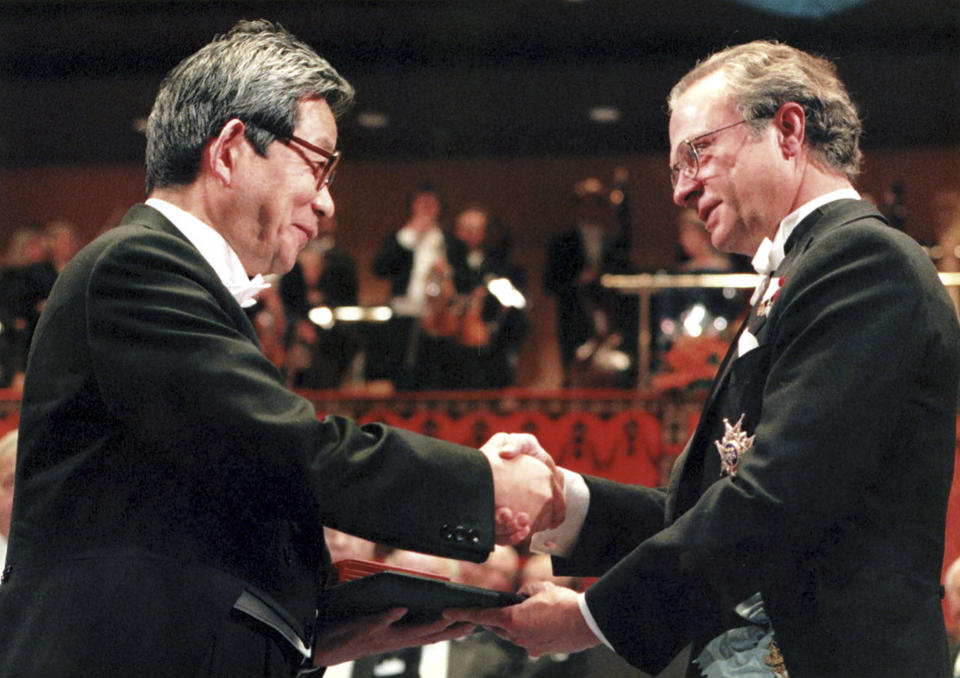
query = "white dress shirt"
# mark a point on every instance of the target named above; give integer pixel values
(771, 252)
(428, 248)
(217, 252)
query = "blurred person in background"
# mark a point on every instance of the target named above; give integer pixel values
(588, 316)
(35, 256)
(692, 313)
(492, 321)
(325, 275)
(415, 259)
(497, 572)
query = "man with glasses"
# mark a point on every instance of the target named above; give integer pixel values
(802, 530)
(171, 493)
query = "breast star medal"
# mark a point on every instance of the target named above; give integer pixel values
(733, 446)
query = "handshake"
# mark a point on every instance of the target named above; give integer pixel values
(527, 486)
(528, 497)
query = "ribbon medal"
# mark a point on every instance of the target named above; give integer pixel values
(769, 296)
(733, 446)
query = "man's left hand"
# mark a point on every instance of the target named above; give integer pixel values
(548, 622)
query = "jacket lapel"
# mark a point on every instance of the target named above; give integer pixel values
(686, 481)
(144, 215)
(687, 478)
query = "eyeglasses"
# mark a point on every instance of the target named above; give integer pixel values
(688, 164)
(324, 171)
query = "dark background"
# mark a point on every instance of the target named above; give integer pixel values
(463, 79)
(489, 100)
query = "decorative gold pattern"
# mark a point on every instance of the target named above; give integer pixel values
(775, 661)
(734, 444)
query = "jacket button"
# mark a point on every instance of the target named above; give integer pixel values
(446, 532)
(460, 533)
(474, 537)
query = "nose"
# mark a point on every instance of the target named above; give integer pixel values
(323, 203)
(686, 191)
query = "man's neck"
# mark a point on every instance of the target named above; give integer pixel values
(813, 181)
(190, 199)
(817, 181)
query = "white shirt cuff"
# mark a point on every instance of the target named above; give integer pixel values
(591, 622)
(564, 537)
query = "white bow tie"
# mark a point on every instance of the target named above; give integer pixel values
(762, 260)
(246, 294)
(764, 265)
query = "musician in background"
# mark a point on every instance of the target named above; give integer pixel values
(28, 269)
(696, 312)
(490, 309)
(599, 242)
(325, 275)
(415, 261)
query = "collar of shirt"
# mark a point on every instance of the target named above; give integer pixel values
(771, 252)
(217, 252)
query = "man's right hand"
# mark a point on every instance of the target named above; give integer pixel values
(528, 487)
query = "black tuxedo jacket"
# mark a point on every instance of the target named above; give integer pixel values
(836, 513)
(164, 468)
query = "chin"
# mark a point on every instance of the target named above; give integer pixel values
(281, 266)
(726, 239)
(284, 261)
(720, 240)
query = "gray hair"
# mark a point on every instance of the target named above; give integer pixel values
(762, 76)
(258, 72)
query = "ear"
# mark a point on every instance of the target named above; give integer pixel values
(790, 121)
(224, 151)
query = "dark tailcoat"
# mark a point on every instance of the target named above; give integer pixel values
(836, 513)
(164, 468)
